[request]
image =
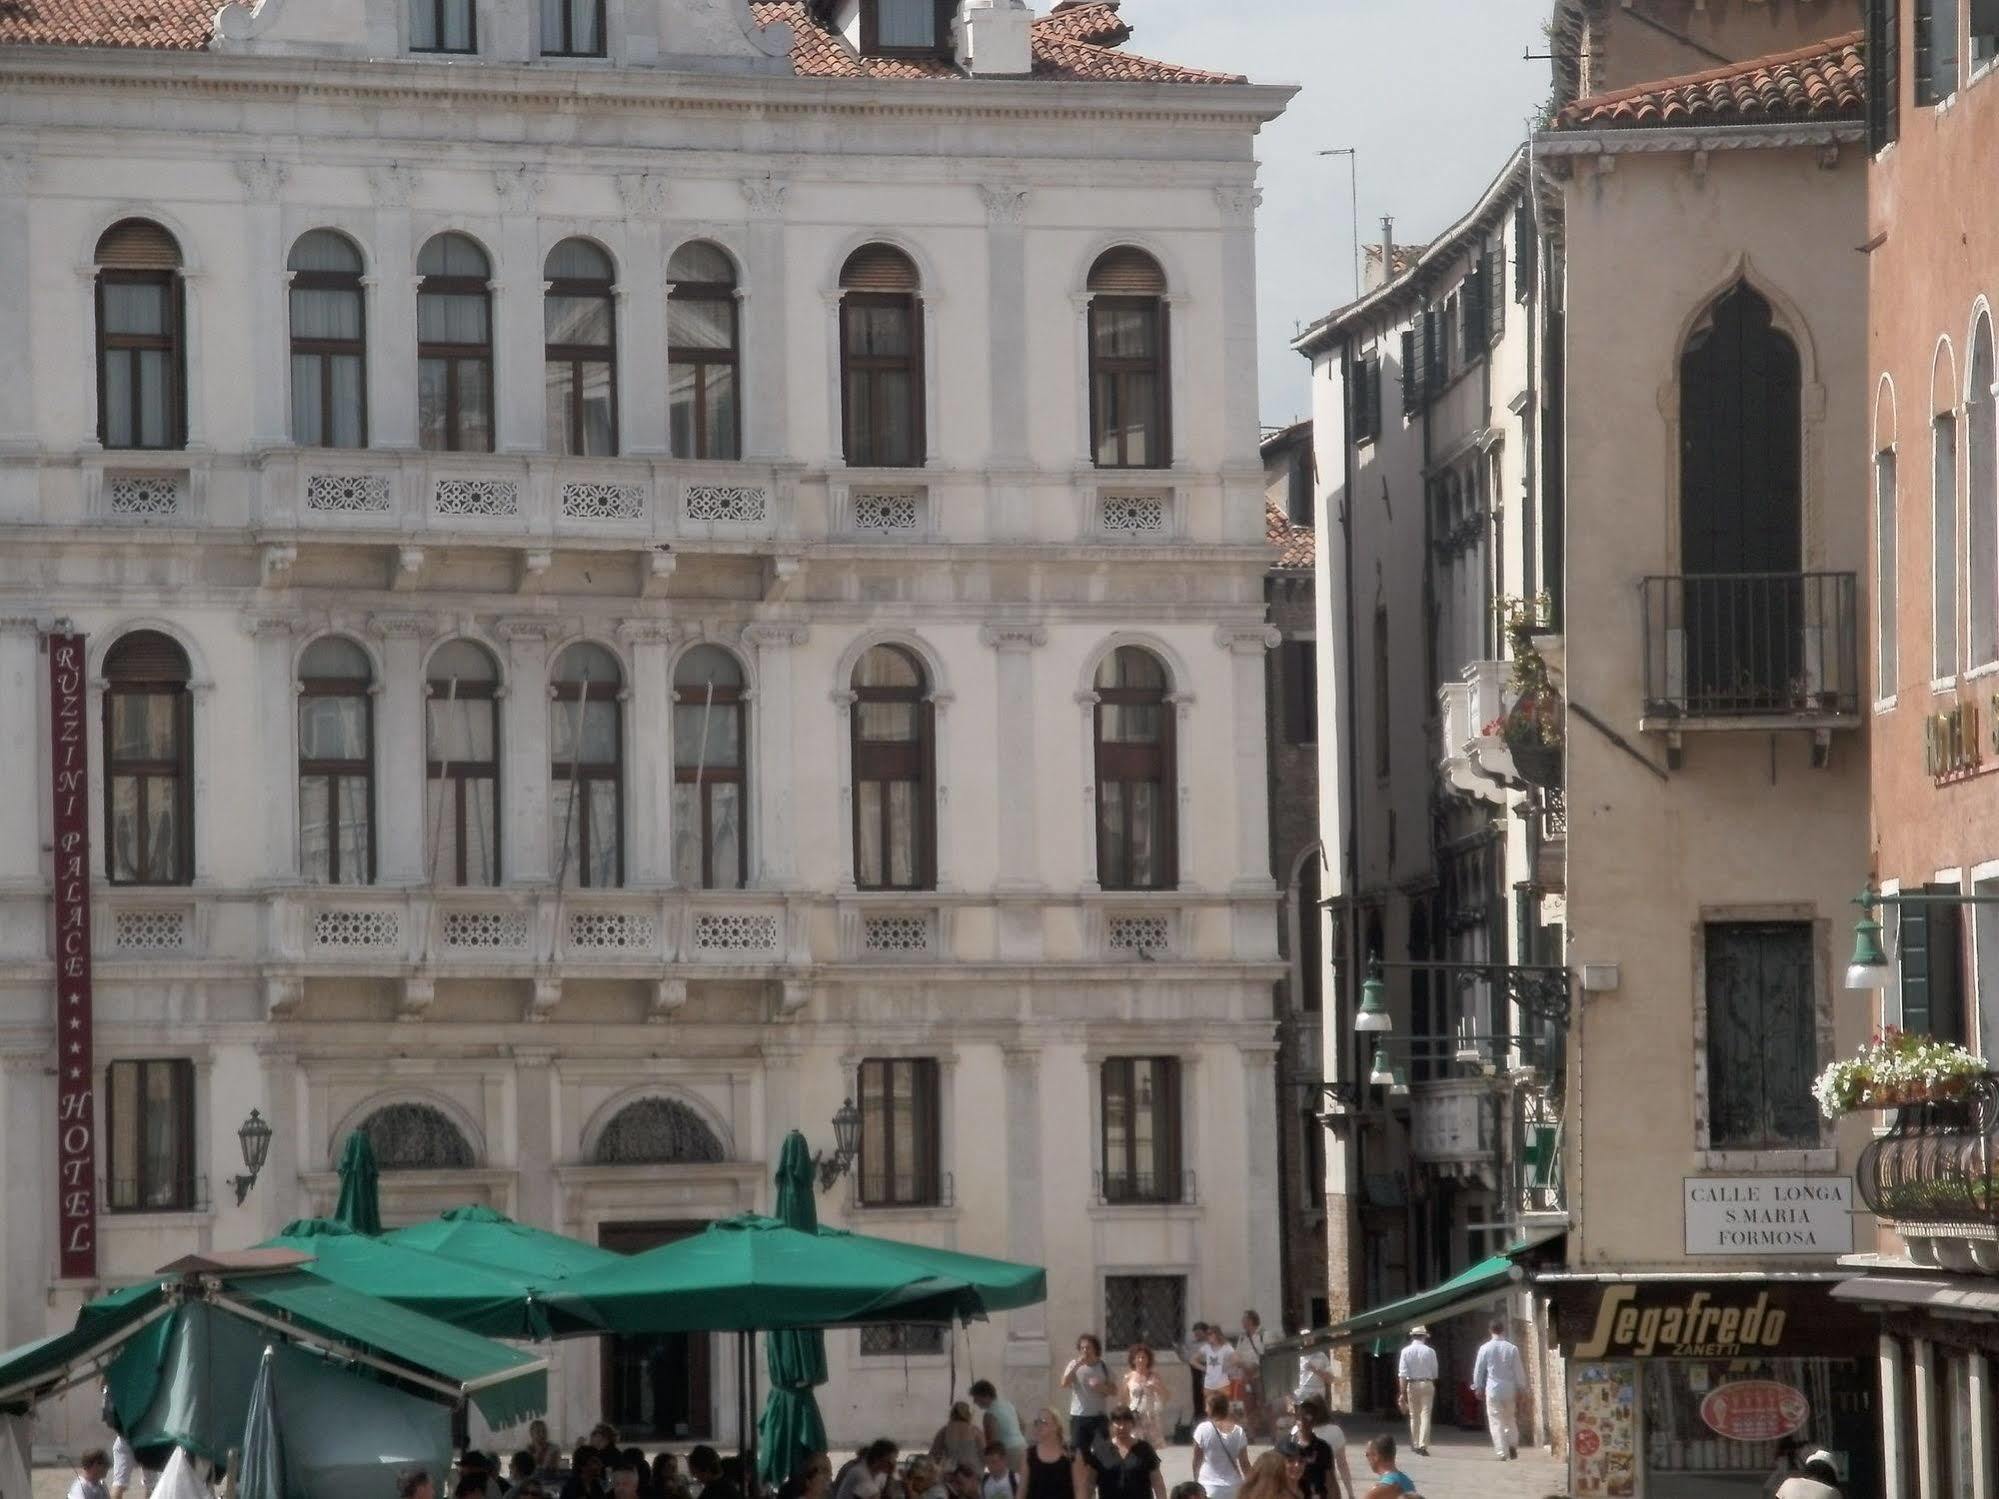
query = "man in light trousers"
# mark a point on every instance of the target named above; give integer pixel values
(1497, 1377)
(1416, 1374)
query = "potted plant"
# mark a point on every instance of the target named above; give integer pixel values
(1533, 727)
(1896, 1069)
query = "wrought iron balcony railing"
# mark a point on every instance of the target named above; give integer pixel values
(1751, 645)
(1936, 1162)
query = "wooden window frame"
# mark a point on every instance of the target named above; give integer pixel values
(590, 775)
(873, 368)
(1115, 762)
(700, 359)
(180, 768)
(705, 777)
(326, 350)
(336, 771)
(437, 9)
(1711, 1000)
(461, 773)
(576, 356)
(943, 13)
(926, 1176)
(568, 48)
(872, 757)
(185, 1197)
(456, 356)
(1158, 424)
(1123, 1180)
(130, 345)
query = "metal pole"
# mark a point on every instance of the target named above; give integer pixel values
(1353, 208)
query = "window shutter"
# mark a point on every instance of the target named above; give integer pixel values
(1891, 64)
(1932, 967)
(878, 268)
(1374, 396)
(1495, 303)
(1936, 50)
(138, 245)
(1412, 374)
(1166, 1072)
(1526, 250)
(146, 656)
(1432, 327)
(1126, 272)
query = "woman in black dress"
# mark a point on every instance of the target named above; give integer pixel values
(1050, 1472)
(1121, 1465)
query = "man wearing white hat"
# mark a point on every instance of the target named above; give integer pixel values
(1819, 1480)
(1416, 1381)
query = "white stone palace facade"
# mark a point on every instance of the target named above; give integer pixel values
(647, 570)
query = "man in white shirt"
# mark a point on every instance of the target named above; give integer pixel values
(1416, 1379)
(1819, 1480)
(1497, 1378)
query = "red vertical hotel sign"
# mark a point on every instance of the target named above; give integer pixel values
(76, 1113)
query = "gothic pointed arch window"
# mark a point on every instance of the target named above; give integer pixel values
(1134, 756)
(657, 1132)
(417, 1137)
(1744, 607)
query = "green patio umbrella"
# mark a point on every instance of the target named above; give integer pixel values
(791, 1429)
(262, 1460)
(360, 1205)
(476, 1235)
(486, 1301)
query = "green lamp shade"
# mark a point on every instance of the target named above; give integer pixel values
(1869, 968)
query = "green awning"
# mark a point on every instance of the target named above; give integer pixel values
(479, 1236)
(474, 1297)
(48, 1366)
(1466, 1291)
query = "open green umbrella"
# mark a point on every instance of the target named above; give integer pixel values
(791, 1429)
(360, 1205)
(476, 1235)
(477, 1299)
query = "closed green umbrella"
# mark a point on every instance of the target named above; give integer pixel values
(476, 1235)
(472, 1297)
(261, 1459)
(360, 1205)
(791, 1429)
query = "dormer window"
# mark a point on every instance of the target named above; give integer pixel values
(906, 28)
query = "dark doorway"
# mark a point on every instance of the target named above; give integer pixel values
(1741, 547)
(657, 1389)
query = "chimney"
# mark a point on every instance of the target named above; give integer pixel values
(1387, 248)
(995, 39)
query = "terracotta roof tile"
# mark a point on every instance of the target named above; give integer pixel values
(1825, 81)
(172, 25)
(1293, 543)
(1094, 21)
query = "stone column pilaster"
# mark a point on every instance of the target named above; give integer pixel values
(266, 294)
(24, 690)
(765, 370)
(649, 784)
(1247, 690)
(17, 401)
(524, 853)
(1026, 1327)
(1016, 816)
(402, 851)
(391, 310)
(518, 394)
(642, 318)
(277, 732)
(773, 825)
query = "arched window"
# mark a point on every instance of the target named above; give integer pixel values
(895, 772)
(329, 349)
(454, 346)
(141, 363)
(443, 26)
(148, 762)
(1887, 660)
(580, 324)
(417, 1137)
(881, 359)
(709, 745)
(1128, 384)
(1744, 611)
(587, 762)
(462, 747)
(1943, 517)
(1134, 773)
(1981, 499)
(336, 764)
(657, 1132)
(572, 28)
(701, 356)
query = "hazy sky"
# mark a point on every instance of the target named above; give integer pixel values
(1432, 93)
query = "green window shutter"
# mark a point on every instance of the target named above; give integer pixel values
(1412, 374)
(1933, 967)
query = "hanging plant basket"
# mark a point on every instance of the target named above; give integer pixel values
(1533, 731)
(1538, 764)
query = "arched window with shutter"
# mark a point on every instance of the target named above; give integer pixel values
(710, 851)
(881, 359)
(141, 355)
(329, 343)
(581, 358)
(1134, 756)
(148, 762)
(702, 363)
(586, 772)
(462, 734)
(336, 763)
(895, 775)
(1129, 396)
(454, 333)
(1981, 499)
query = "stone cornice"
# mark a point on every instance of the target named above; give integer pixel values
(1698, 138)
